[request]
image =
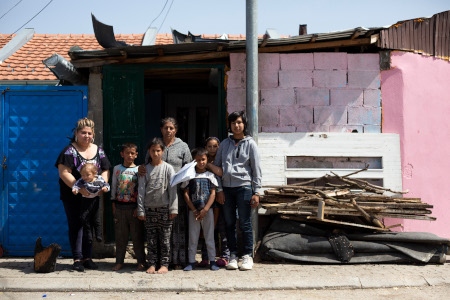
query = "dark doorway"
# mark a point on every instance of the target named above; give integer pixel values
(194, 96)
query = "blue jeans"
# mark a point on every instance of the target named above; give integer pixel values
(238, 198)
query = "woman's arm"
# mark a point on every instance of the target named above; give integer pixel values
(215, 169)
(256, 168)
(105, 175)
(65, 173)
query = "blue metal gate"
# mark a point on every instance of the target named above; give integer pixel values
(36, 123)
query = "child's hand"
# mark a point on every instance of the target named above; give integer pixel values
(104, 189)
(141, 170)
(142, 218)
(255, 201)
(172, 216)
(75, 192)
(196, 214)
(201, 214)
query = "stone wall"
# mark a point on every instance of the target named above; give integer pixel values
(311, 92)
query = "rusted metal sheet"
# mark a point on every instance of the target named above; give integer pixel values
(428, 36)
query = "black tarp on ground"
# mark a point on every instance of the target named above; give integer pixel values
(294, 241)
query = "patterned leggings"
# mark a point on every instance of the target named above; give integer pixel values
(159, 228)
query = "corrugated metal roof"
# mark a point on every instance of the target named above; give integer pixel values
(429, 36)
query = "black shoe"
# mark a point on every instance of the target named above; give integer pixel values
(89, 264)
(78, 266)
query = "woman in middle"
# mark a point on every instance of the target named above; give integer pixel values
(177, 154)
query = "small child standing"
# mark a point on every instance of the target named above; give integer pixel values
(220, 232)
(124, 193)
(158, 206)
(94, 184)
(199, 194)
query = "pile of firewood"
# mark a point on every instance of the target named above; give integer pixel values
(343, 200)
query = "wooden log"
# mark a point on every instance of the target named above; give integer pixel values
(349, 224)
(320, 210)
(367, 216)
(338, 193)
(293, 212)
(343, 197)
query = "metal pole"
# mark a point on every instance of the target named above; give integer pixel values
(252, 67)
(252, 88)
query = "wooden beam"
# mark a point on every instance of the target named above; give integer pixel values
(320, 210)
(348, 224)
(319, 45)
(94, 62)
(355, 34)
(264, 41)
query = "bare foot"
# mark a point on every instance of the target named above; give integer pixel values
(140, 267)
(151, 270)
(163, 270)
(117, 267)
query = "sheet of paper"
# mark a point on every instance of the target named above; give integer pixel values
(187, 172)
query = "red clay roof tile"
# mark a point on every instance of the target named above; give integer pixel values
(26, 63)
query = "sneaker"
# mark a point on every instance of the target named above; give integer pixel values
(89, 264)
(247, 263)
(222, 262)
(78, 266)
(203, 264)
(232, 264)
(213, 266)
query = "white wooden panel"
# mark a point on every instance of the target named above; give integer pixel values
(275, 147)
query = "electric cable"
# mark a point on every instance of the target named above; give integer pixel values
(158, 14)
(10, 9)
(33, 17)
(165, 16)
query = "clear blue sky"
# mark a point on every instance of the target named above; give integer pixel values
(209, 16)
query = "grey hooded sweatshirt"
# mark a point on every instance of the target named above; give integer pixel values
(177, 154)
(240, 163)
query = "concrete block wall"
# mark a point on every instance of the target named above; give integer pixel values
(307, 92)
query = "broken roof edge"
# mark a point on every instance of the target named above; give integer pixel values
(359, 36)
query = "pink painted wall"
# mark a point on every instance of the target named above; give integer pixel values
(416, 105)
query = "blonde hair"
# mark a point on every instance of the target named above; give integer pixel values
(89, 167)
(81, 123)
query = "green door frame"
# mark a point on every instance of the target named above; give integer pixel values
(124, 111)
